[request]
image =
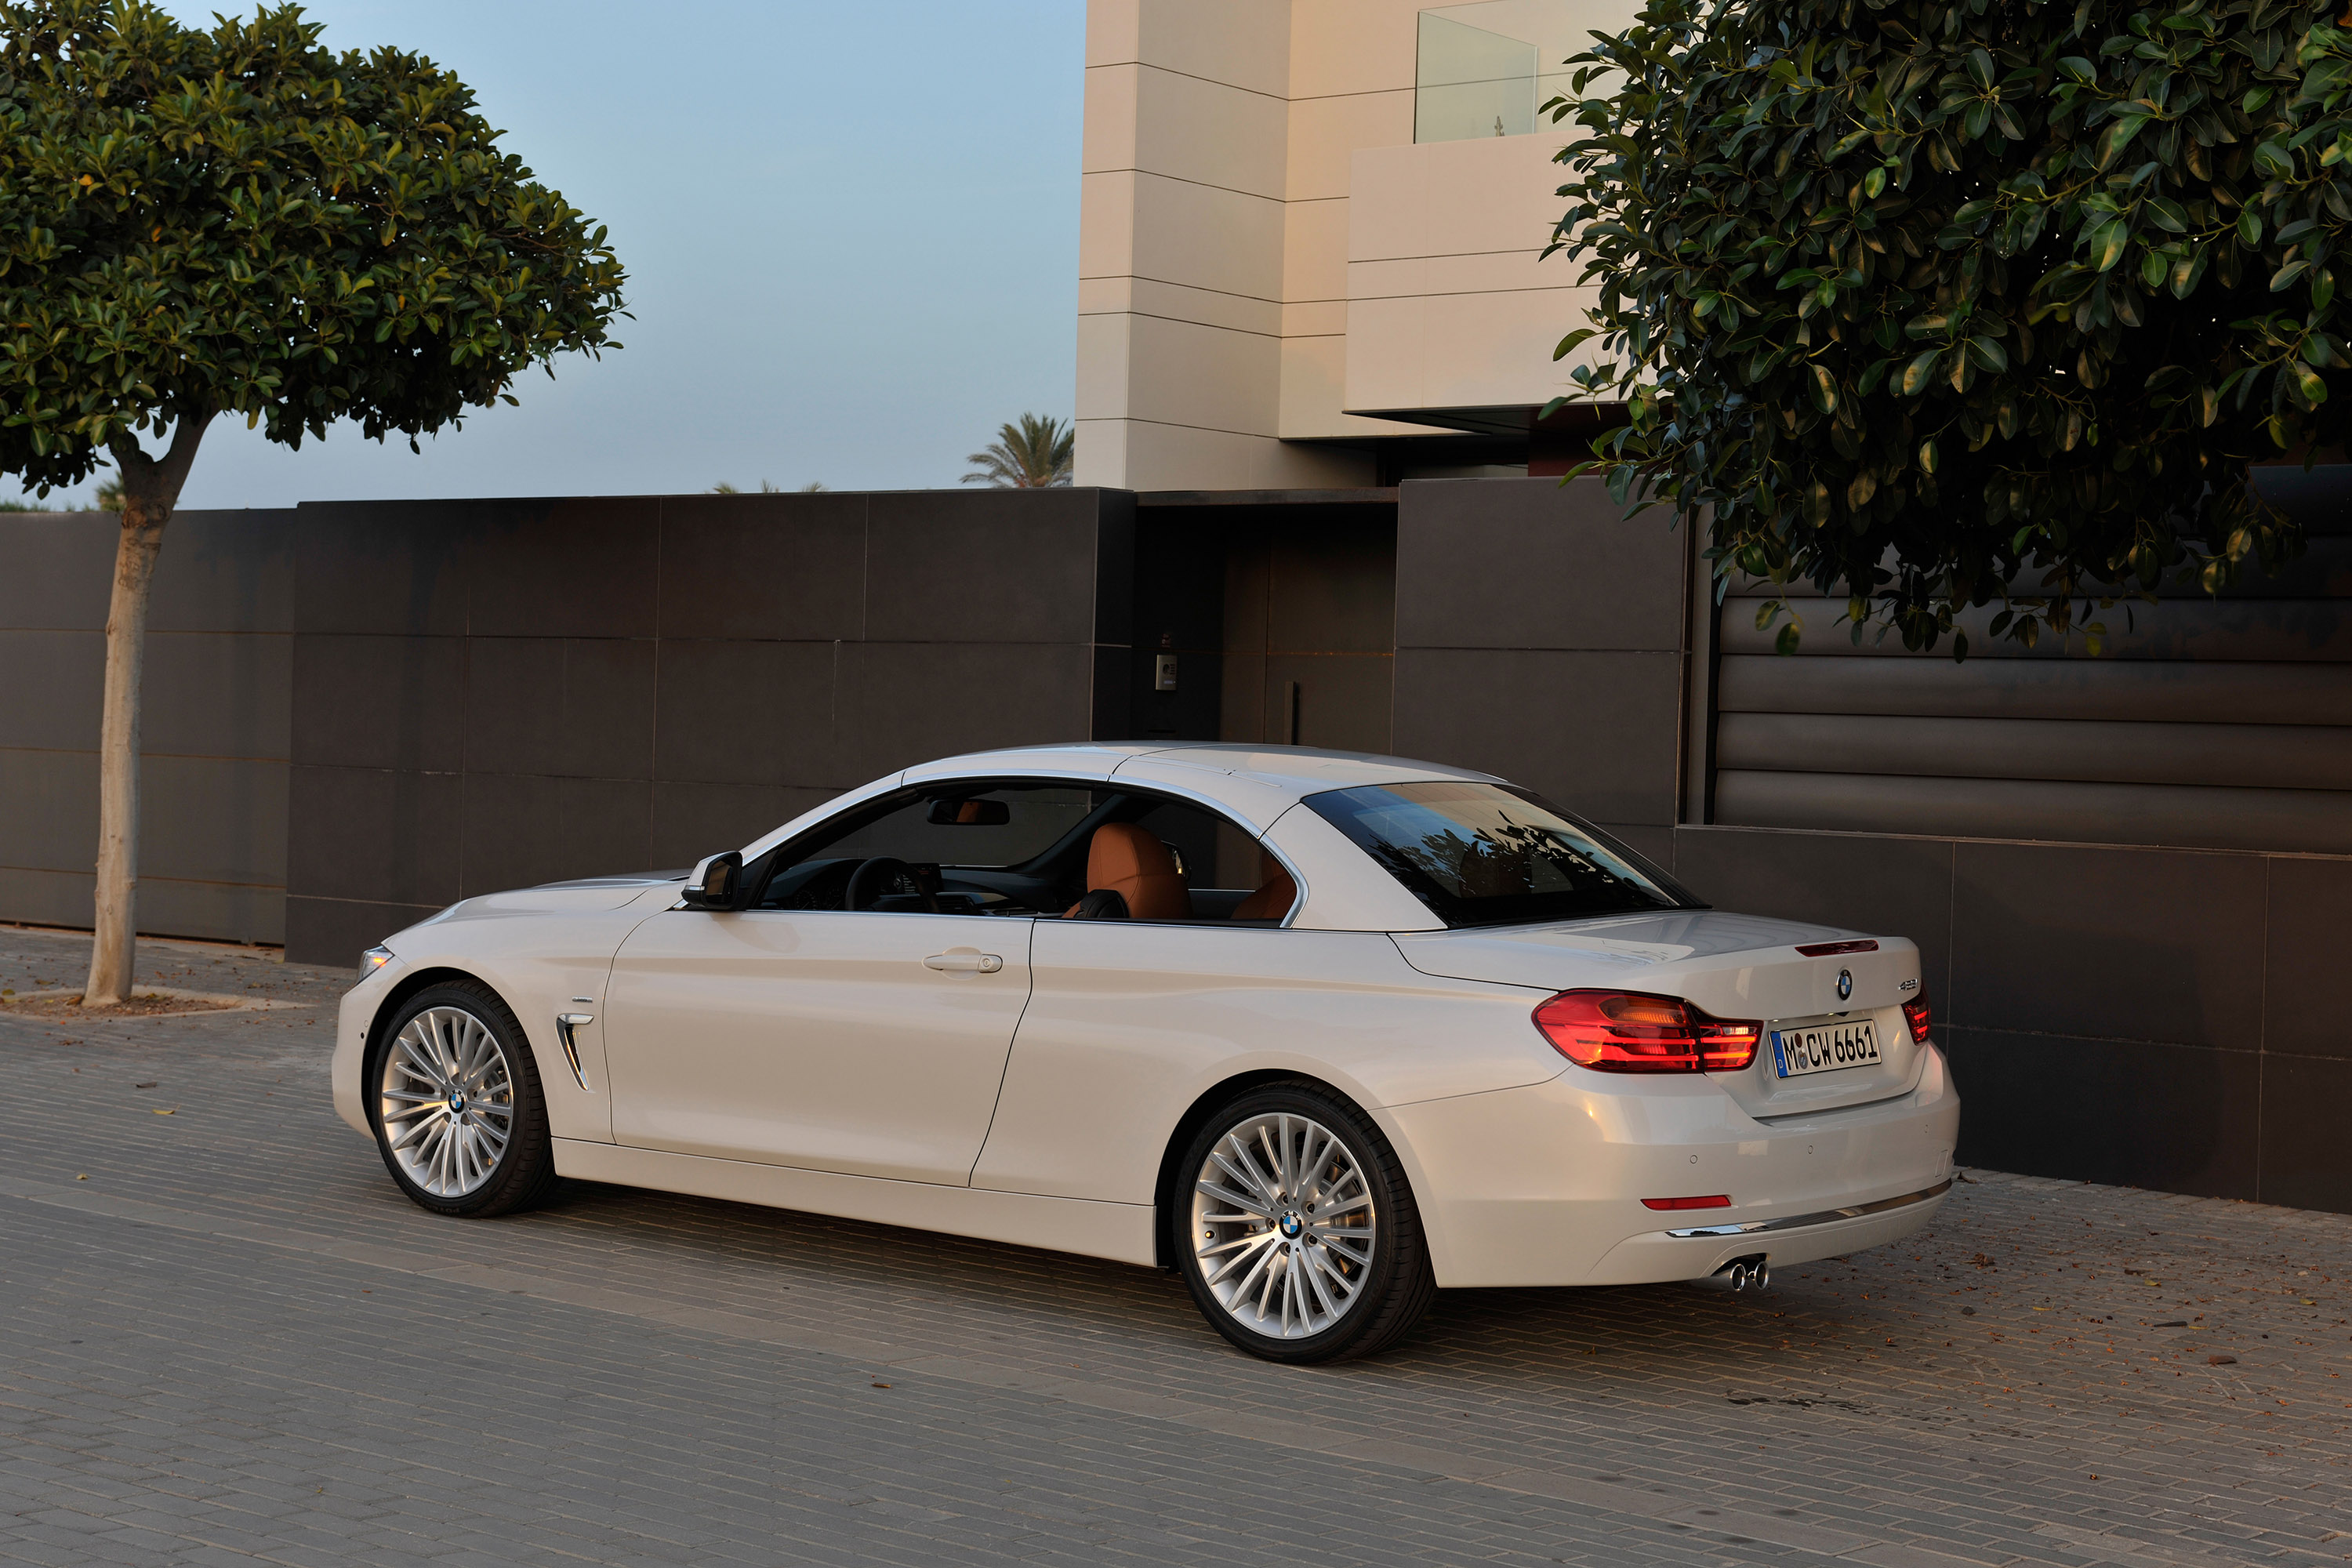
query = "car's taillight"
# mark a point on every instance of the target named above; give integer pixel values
(1915, 1013)
(1626, 1031)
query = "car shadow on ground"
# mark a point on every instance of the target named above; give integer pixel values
(1564, 1340)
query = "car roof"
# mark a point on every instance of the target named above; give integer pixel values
(1309, 769)
(1258, 771)
(1256, 786)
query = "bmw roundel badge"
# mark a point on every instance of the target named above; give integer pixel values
(1845, 984)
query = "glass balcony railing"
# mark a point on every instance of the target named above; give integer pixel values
(1484, 69)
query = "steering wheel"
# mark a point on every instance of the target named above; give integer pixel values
(876, 877)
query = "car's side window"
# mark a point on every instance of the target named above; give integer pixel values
(937, 849)
(979, 846)
(1227, 876)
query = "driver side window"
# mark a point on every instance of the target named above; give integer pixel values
(934, 850)
(978, 847)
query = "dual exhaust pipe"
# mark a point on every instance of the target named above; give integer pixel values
(1750, 1273)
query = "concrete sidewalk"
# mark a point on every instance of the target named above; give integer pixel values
(226, 1337)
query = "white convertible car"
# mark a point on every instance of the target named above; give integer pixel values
(1323, 1032)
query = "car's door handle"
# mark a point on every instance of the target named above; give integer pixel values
(964, 960)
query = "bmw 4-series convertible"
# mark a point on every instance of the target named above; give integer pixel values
(1322, 1032)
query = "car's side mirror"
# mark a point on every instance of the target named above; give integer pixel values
(716, 883)
(969, 814)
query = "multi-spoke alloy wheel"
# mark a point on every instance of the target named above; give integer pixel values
(448, 1101)
(1304, 1243)
(1283, 1226)
(456, 1103)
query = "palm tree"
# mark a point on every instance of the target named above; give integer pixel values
(1032, 455)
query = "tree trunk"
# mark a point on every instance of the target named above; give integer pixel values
(151, 490)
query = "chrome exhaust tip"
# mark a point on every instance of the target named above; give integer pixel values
(1753, 1273)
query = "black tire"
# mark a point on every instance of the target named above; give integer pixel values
(524, 1170)
(1392, 1287)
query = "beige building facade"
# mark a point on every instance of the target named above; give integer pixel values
(1310, 234)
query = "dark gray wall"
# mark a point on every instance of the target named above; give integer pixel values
(2154, 1018)
(493, 694)
(216, 734)
(2154, 1013)
(1539, 637)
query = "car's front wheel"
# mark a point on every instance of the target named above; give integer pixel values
(455, 1098)
(1303, 1243)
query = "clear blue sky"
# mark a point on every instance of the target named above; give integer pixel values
(851, 231)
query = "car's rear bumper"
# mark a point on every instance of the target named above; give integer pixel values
(1694, 1253)
(1544, 1186)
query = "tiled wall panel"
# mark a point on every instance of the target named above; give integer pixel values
(493, 694)
(216, 721)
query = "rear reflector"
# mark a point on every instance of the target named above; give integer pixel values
(1916, 1014)
(1832, 949)
(1627, 1031)
(1719, 1201)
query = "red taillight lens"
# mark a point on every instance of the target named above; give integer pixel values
(1626, 1031)
(1915, 1013)
(1717, 1201)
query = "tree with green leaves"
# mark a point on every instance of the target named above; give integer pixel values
(1037, 453)
(1938, 304)
(238, 221)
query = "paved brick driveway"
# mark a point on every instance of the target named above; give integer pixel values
(233, 1342)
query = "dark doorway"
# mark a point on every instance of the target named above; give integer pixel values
(1266, 617)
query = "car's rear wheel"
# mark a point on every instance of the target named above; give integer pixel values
(455, 1098)
(1301, 1239)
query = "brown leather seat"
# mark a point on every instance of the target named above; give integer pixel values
(1123, 858)
(1275, 895)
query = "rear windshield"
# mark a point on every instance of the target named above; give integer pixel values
(1480, 854)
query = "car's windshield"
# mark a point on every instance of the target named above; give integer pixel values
(1481, 854)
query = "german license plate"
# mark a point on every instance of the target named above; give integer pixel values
(1824, 1047)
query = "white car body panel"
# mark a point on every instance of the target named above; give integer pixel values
(538, 949)
(1256, 785)
(1538, 1185)
(1713, 959)
(1094, 761)
(811, 1060)
(1129, 1025)
(1343, 888)
(814, 1038)
(1119, 1232)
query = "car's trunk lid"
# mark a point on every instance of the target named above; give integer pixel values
(1733, 966)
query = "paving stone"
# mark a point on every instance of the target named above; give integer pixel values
(233, 1342)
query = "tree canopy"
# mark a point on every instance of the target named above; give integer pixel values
(1037, 453)
(194, 223)
(1942, 303)
(237, 220)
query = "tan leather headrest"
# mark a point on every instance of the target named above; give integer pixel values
(1136, 866)
(1275, 895)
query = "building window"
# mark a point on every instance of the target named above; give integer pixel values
(1483, 69)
